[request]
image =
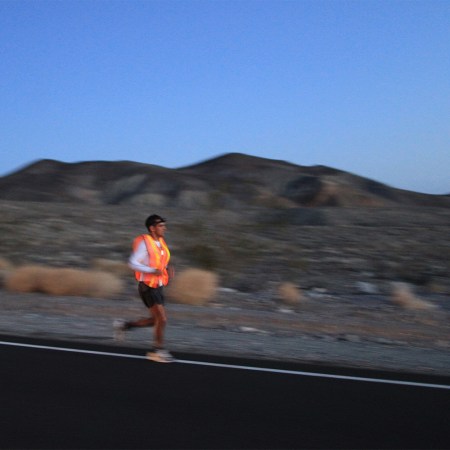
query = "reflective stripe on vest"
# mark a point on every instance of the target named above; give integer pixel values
(158, 258)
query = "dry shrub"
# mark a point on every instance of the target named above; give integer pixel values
(81, 283)
(193, 287)
(64, 281)
(289, 294)
(25, 279)
(118, 268)
(403, 296)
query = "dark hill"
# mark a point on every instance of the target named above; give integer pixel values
(230, 181)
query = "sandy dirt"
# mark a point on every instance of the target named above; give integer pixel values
(359, 331)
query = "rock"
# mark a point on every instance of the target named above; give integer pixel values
(366, 288)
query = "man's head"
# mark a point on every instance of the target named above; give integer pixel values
(156, 225)
(152, 220)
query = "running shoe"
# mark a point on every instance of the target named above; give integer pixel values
(120, 326)
(160, 355)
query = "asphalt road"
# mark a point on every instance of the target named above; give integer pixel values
(59, 399)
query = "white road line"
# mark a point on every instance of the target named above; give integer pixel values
(319, 375)
(73, 350)
(239, 367)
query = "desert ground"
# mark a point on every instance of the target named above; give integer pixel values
(360, 287)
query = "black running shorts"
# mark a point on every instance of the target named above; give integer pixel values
(151, 296)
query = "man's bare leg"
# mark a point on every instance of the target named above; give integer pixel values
(145, 322)
(159, 314)
(121, 326)
(158, 353)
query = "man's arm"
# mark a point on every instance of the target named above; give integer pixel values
(139, 260)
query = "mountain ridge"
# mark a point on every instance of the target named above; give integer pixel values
(231, 180)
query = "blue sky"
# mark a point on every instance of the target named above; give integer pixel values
(362, 86)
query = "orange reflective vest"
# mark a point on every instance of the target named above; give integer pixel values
(158, 258)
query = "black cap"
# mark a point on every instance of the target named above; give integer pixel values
(154, 219)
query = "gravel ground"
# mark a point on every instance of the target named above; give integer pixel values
(352, 331)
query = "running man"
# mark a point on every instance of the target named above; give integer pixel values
(150, 261)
